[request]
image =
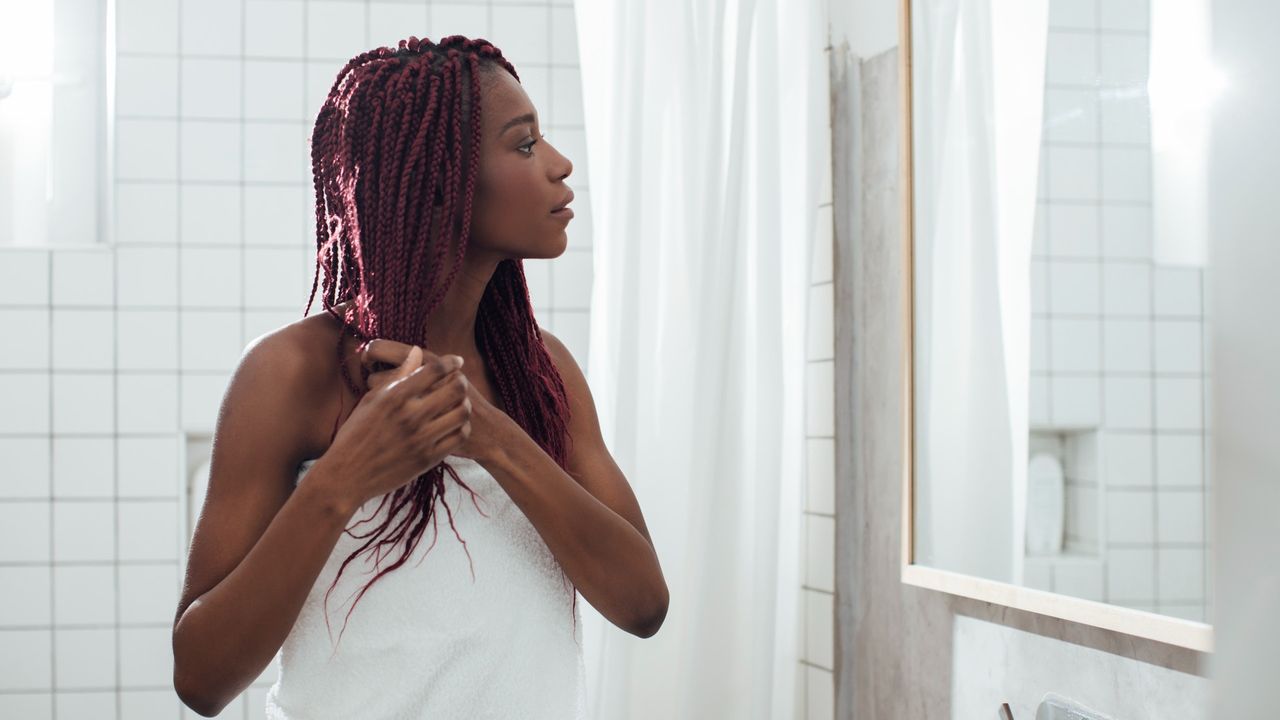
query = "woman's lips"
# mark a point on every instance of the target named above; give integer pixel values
(564, 212)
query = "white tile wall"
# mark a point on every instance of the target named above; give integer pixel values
(127, 347)
(817, 665)
(1118, 341)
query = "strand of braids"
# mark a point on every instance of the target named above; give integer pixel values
(395, 154)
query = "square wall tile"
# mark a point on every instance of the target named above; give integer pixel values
(1128, 402)
(27, 600)
(27, 404)
(1131, 575)
(26, 664)
(1180, 460)
(1126, 346)
(274, 28)
(1180, 517)
(210, 277)
(146, 656)
(147, 276)
(148, 593)
(1072, 172)
(1127, 459)
(1074, 400)
(83, 403)
(147, 339)
(85, 658)
(1179, 403)
(1181, 574)
(1075, 345)
(148, 529)
(274, 89)
(523, 34)
(29, 348)
(83, 531)
(147, 85)
(1126, 232)
(83, 277)
(1126, 288)
(83, 339)
(210, 150)
(84, 594)
(84, 467)
(147, 26)
(277, 277)
(211, 28)
(1130, 516)
(24, 277)
(1178, 346)
(148, 402)
(1072, 58)
(1178, 292)
(146, 149)
(277, 215)
(335, 29)
(276, 152)
(148, 467)
(27, 464)
(212, 87)
(146, 213)
(210, 214)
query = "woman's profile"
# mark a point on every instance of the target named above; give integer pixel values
(420, 464)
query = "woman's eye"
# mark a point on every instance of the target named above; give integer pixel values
(530, 145)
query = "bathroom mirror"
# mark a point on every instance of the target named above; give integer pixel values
(1057, 425)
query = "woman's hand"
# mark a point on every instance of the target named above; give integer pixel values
(489, 425)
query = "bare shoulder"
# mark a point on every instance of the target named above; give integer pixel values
(300, 359)
(570, 371)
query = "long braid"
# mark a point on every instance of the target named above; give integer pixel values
(395, 158)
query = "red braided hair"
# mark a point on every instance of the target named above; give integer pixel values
(395, 154)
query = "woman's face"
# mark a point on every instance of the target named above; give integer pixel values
(521, 177)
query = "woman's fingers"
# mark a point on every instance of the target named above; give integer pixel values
(389, 353)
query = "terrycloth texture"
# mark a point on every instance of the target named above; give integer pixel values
(426, 641)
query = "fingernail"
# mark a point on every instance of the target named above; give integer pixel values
(455, 361)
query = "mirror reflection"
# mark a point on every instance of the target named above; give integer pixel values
(1060, 368)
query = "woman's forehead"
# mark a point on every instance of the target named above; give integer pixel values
(503, 100)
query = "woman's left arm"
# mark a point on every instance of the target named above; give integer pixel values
(588, 517)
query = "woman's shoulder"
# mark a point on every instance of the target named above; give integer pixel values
(303, 356)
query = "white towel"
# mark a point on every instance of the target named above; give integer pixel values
(429, 642)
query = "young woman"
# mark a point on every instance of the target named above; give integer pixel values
(425, 386)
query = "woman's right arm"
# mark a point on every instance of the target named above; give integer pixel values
(259, 544)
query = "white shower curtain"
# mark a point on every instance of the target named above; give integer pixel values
(703, 174)
(978, 94)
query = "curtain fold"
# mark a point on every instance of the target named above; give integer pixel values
(700, 120)
(978, 105)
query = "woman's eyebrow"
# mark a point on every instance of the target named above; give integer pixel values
(525, 118)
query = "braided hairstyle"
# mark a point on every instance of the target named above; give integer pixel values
(395, 154)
